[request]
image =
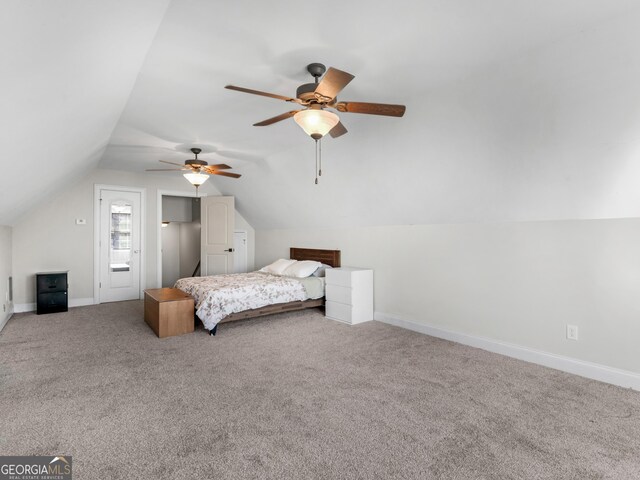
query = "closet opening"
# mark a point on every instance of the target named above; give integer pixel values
(180, 237)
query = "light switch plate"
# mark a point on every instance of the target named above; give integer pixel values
(81, 221)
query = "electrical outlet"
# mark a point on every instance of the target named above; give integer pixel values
(572, 332)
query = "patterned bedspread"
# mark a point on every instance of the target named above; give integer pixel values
(221, 295)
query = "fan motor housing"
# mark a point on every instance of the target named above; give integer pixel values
(306, 92)
(194, 163)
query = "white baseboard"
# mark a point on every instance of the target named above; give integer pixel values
(73, 302)
(24, 307)
(594, 371)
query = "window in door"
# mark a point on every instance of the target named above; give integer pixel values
(120, 251)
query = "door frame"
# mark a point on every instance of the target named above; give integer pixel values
(160, 194)
(96, 235)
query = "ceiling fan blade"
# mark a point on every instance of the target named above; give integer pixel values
(264, 94)
(371, 108)
(338, 130)
(172, 163)
(165, 169)
(213, 169)
(332, 83)
(226, 174)
(270, 121)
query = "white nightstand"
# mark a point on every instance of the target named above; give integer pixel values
(349, 294)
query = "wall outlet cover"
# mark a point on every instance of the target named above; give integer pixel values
(572, 332)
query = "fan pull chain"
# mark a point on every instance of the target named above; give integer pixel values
(316, 162)
(320, 155)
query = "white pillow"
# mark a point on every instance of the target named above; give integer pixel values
(320, 272)
(278, 267)
(302, 269)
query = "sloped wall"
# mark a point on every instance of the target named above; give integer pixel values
(552, 134)
(70, 68)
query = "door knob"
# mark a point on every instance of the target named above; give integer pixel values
(229, 250)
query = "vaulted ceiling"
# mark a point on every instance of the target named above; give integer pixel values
(516, 110)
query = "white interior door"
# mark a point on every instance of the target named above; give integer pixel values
(120, 230)
(216, 245)
(239, 252)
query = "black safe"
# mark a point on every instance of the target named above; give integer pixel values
(52, 292)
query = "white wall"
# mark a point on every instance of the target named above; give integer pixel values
(519, 283)
(47, 237)
(5, 273)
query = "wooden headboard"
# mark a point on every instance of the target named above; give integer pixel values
(328, 257)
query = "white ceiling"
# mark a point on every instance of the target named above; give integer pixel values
(126, 84)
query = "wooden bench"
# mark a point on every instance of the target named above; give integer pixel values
(168, 311)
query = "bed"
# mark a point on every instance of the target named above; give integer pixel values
(226, 298)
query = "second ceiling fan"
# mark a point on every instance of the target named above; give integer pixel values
(198, 170)
(322, 94)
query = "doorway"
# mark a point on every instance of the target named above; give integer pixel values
(119, 235)
(179, 238)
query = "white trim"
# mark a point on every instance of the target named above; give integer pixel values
(80, 302)
(73, 302)
(24, 307)
(5, 320)
(172, 193)
(333, 319)
(96, 236)
(594, 371)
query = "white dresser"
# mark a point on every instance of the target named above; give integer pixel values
(349, 294)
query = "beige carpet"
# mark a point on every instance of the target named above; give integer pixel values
(298, 396)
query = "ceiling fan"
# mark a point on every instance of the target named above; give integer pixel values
(199, 170)
(316, 96)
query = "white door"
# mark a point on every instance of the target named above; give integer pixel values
(216, 244)
(119, 245)
(239, 252)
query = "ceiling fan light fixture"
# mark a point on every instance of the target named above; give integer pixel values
(196, 179)
(316, 122)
